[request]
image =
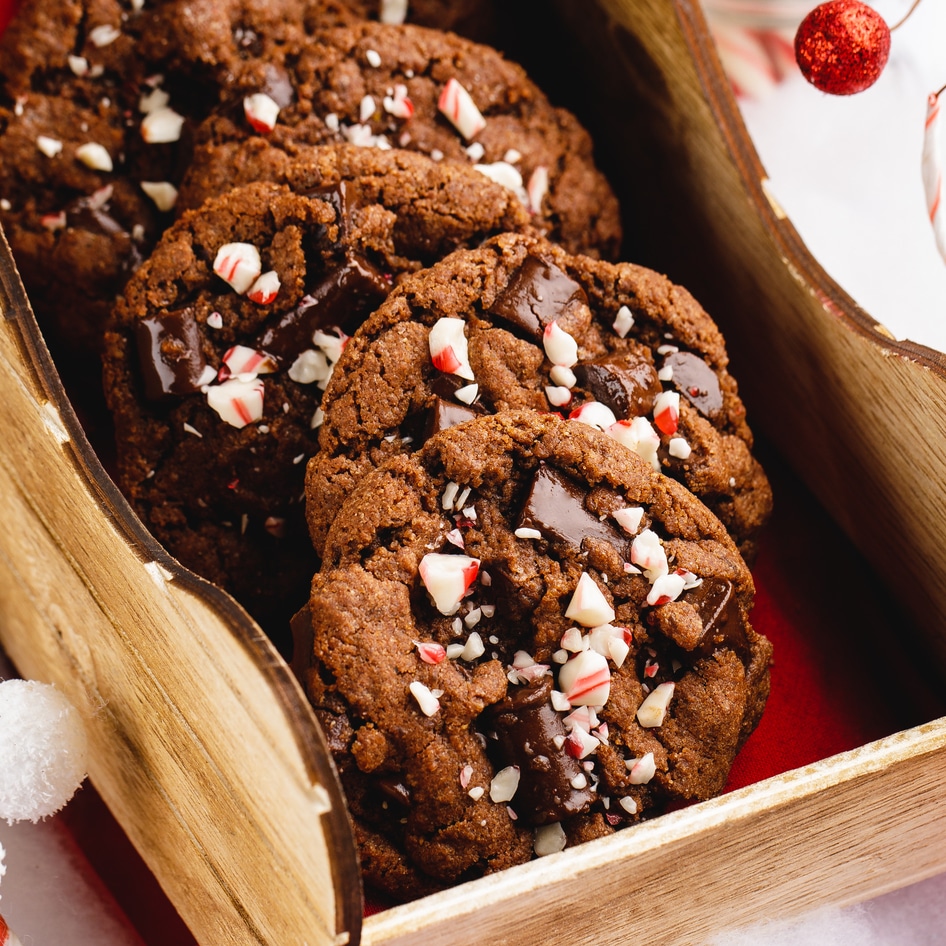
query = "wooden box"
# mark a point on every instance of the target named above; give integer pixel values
(203, 745)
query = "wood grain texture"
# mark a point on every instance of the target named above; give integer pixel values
(202, 742)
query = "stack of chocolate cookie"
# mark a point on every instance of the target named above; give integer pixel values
(355, 293)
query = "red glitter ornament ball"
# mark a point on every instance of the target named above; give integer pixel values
(842, 46)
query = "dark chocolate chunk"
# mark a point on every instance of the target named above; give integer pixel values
(527, 728)
(555, 507)
(343, 298)
(628, 386)
(169, 351)
(723, 626)
(537, 294)
(697, 382)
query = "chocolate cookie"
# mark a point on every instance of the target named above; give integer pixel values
(425, 90)
(522, 636)
(225, 337)
(520, 323)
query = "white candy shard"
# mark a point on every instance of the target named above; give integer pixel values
(366, 109)
(95, 156)
(548, 839)
(448, 348)
(628, 804)
(648, 552)
(103, 35)
(473, 648)
(629, 518)
(49, 146)
(243, 360)
(161, 126)
(643, 769)
(261, 112)
(562, 376)
(398, 104)
(679, 448)
(537, 188)
(637, 435)
(504, 784)
(588, 605)
(431, 652)
(153, 100)
(238, 402)
(447, 578)
(460, 109)
(428, 703)
(265, 289)
(667, 411)
(504, 174)
(310, 366)
(623, 321)
(467, 394)
(652, 711)
(560, 347)
(585, 679)
(393, 11)
(594, 414)
(558, 396)
(238, 264)
(162, 193)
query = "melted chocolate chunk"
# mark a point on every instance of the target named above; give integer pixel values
(536, 295)
(627, 385)
(394, 789)
(169, 351)
(527, 727)
(697, 382)
(556, 508)
(715, 601)
(343, 298)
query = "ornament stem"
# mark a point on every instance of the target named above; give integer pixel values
(906, 16)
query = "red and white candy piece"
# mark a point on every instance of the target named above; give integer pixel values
(236, 401)
(431, 652)
(594, 414)
(637, 435)
(933, 171)
(239, 265)
(261, 112)
(398, 104)
(643, 769)
(460, 109)
(629, 518)
(448, 348)
(162, 126)
(447, 579)
(667, 411)
(579, 744)
(612, 642)
(504, 784)
(585, 679)
(243, 360)
(666, 588)
(265, 289)
(653, 710)
(560, 347)
(648, 552)
(588, 605)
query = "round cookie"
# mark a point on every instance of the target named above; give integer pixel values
(435, 92)
(520, 323)
(522, 637)
(219, 479)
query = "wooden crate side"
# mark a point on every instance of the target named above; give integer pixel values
(824, 834)
(202, 742)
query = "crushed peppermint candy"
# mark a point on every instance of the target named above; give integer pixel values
(594, 414)
(366, 109)
(563, 376)
(310, 366)
(261, 111)
(467, 394)
(265, 289)
(628, 804)
(548, 839)
(215, 320)
(431, 652)
(162, 193)
(679, 448)
(103, 35)
(579, 743)
(643, 769)
(460, 109)
(477, 792)
(637, 435)
(653, 710)
(447, 578)
(162, 126)
(245, 361)
(504, 174)
(560, 347)
(537, 188)
(526, 533)
(393, 11)
(667, 411)
(238, 402)
(153, 100)
(427, 699)
(397, 103)
(95, 156)
(558, 396)
(585, 679)
(238, 264)
(373, 57)
(623, 321)
(573, 640)
(588, 605)
(475, 152)
(49, 146)
(648, 552)
(629, 518)
(466, 773)
(448, 347)
(504, 784)
(78, 64)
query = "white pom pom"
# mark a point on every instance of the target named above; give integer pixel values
(44, 749)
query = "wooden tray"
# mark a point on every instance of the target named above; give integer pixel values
(202, 743)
